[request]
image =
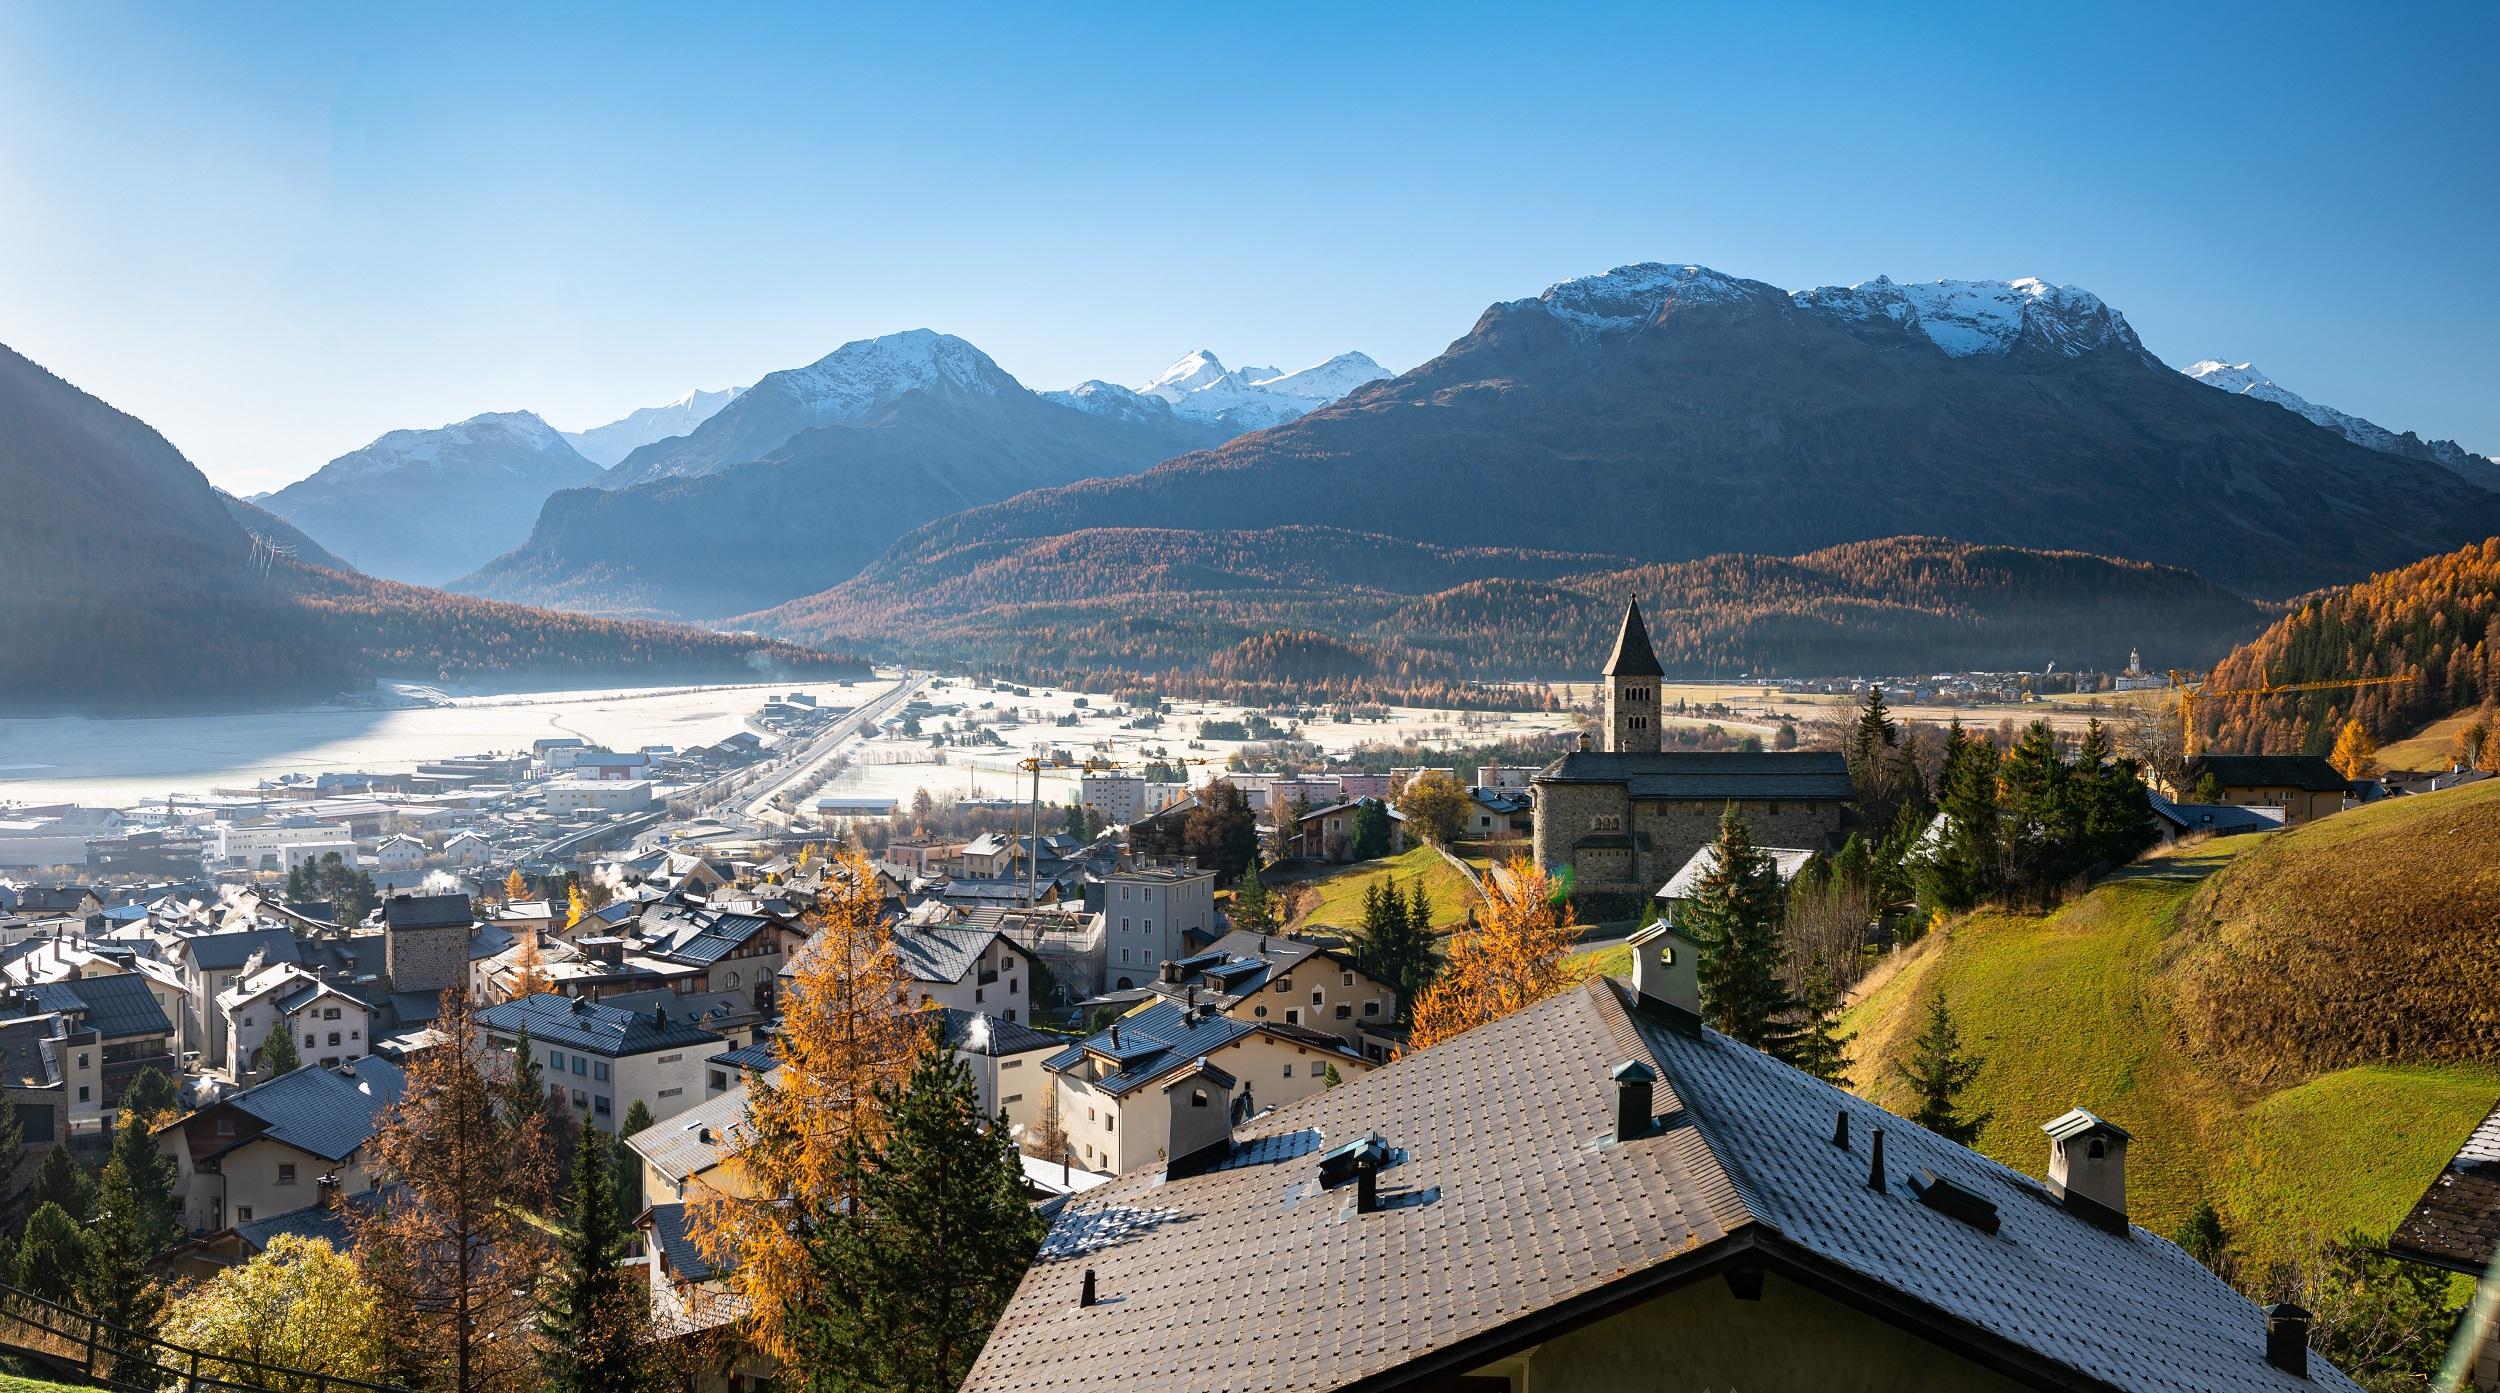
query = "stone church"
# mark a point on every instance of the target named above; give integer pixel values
(1623, 819)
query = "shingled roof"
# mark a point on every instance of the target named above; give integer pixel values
(2456, 1224)
(113, 1006)
(1717, 775)
(1510, 1214)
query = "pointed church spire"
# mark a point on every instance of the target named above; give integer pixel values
(1632, 655)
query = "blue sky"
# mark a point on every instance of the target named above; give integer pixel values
(275, 232)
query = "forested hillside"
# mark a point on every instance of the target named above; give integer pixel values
(2432, 621)
(127, 585)
(1290, 608)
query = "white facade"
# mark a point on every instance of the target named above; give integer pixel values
(1119, 799)
(399, 854)
(598, 795)
(282, 847)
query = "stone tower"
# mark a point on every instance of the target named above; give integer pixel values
(1632, 676)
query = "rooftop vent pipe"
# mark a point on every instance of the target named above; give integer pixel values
(2287, 1338)
(1632, 1099)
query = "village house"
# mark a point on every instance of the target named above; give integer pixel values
(2455, 1227)
(328, 1026)
(1328, 834)
(275, 1146)
(1114, 1088)
(1623, 819)
(398, 853)
(122, 1021)
(1259, 977)
(966, 968)
(1599, 1193)
(213, 963)
(1676, 896)
(1005, 1059)
(2305, 787)
(600, 1060)
(1150, 914)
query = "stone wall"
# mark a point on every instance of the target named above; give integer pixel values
(426, 960)
(1664, 834)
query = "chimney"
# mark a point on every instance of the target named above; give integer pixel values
(1172, 970)
(1585, 745)
(1632, 1107)
(1875, 1162)
(1366, 1181)
(1201, 1100)
(1115, 1037)
(1666, 973)
(2287, 1338)
(2088, 1168)
(1087, 1296)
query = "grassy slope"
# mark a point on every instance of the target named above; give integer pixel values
(10, 1383)
(1340, 901)
(2426, 749)
(2071, 1008)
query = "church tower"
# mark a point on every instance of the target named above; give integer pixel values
(1632, 677)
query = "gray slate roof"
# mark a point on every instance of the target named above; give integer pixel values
(115, 1006)
(426, 911)
(695, 1140)
(1786, 861)
(941, 953)
(588, 1025)
(1719, 775)
(323, 1112)
(2456, 1223)
(1504, 1212)
(225, 952)
(979, 1032)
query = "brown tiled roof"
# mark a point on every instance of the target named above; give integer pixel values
(1506, 1206)
(2456, 1224)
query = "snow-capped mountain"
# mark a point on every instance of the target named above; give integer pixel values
(2244, 380)
(1962, 318)
(844, 385)
(427, 505)
(605, 445)
(1113, 402)
(1200, 388)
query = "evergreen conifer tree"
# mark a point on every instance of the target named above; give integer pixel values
(524, 1083)
(1254, 910)
(1734, 919)
(1966, 864)
(276, 1054)
(1395, 946)
(2037, 807)
(62, 1182)
(12, 1151)
(935, 1245)
(1819, 1050)
(589, 1323)
(51, 1254)
(150, 1096)
(1937, 1072)
(132, 1224)
(149, 1175)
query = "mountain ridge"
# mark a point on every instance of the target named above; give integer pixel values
(425, 505)
(189, 608)
(1665, 411)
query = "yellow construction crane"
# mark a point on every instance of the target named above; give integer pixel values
(2192, 692)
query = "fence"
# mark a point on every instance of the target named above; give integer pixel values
(112, 1357)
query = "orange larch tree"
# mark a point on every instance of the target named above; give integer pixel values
(846, 1030)
(1514, 956)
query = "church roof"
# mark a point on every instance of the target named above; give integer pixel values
(1632, 656)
